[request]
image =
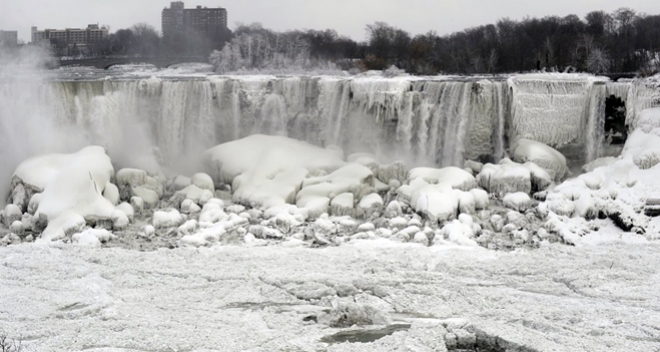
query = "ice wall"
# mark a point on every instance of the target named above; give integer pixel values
(425, 121)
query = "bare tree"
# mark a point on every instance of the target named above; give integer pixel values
(598, 61)
(9, 345)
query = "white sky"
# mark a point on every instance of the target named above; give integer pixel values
(347, 17)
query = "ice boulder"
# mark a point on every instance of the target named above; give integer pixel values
(453, 176)
(370, 206)
(505, 177)
(127, 209)
(111, 193)
(138, 183)
(265, 171)
(167, 219)
(11, 213)
(71, 183)
(62, 226)
(353, 178)
(437, 202)
(481, 198)
(203, 181)
(180, 182)
(542, 155)
(461, 231)
(517, 201)
(92, 237)
(343, 205)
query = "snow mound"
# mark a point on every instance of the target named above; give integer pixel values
(73, 186)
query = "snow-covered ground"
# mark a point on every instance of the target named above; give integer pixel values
(557, 298)
(276, 244)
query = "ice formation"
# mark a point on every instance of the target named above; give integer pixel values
(325, 171)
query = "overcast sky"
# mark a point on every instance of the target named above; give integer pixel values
(347, 17)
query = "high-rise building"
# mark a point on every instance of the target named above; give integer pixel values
(69, 36)
(200, 20)
(8, 38)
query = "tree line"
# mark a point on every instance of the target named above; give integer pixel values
(143, 39)
(619, 42)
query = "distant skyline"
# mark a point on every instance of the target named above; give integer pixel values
(347, 17)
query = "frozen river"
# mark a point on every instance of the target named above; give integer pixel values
(558, 298)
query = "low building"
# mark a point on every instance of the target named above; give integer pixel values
(69, 36)
(8, 38)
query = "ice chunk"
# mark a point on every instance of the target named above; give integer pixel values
(181, 182)
(70, 182)
(119, 220)
(370, 206)
(505, 177)
(542, 155)
(203, 181)
(268, 170)
(342, 205)
(127, 209)
(189, 207)
(560, 205)
(453, 176)
(167, 219)
(135, 182)
(111, 193)
(64, 225)
(459, 231)
(517, 201)
(11, 213)
(481, 198)
(436, 202)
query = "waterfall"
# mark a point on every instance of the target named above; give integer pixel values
(432, 121)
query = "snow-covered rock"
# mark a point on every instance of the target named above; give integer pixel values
(542, 155)
(505, 177)
(370, 206)
(203, 181)
(70, 182)
(517, 201)
(268, 170)
(453, 176)
(343, 205)
(92, 237)
(111, 193)
(167, 219)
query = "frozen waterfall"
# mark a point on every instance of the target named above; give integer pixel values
(423, 120)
